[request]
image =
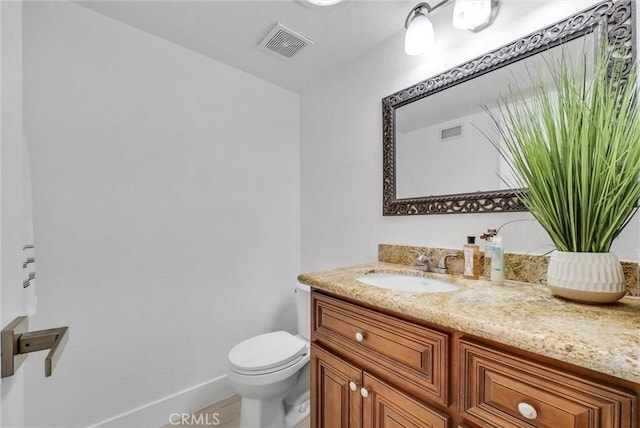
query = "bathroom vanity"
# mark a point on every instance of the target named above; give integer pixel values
(482, 356)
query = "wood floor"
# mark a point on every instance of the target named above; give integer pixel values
(224, 414)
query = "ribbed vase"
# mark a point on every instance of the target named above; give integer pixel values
(586, 277)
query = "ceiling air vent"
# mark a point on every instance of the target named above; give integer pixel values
(284, 41)
(452, 132)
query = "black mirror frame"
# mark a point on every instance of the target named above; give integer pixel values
(613, 18)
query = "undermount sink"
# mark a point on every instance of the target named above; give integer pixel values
(394, 281)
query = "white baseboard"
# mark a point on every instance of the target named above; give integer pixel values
(157, 414)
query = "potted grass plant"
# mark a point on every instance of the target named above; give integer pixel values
(574, 152)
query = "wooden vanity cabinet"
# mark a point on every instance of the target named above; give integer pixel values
(373, 370)
(346, 397)
(397, 351)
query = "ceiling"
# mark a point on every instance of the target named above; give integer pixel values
(229, 31)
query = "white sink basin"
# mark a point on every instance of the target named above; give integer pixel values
(394, 281)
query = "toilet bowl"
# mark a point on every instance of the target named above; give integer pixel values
(271, 373)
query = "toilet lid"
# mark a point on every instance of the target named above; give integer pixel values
(266, 351)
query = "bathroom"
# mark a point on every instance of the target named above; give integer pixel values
(176, 198)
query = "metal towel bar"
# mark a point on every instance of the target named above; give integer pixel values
(17, 342)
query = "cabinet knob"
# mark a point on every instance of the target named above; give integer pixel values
(527, 410)
(359, 337)
(364, 392)
(353, 386)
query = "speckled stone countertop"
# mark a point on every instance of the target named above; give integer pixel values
(522, 315)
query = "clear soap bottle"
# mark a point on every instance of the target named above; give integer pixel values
(497, 261)
(471, 259)
(488, 251)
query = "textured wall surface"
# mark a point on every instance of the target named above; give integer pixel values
(166, 193)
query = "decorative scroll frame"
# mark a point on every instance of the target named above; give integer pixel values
(613, 18)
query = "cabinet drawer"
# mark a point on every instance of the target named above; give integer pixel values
(396, 350)
(494, 385)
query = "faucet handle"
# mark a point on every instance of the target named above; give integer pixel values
(447, 255)
(442, 264)
(421, 259)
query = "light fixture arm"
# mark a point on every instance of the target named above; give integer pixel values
(495, 6)
(418, 10)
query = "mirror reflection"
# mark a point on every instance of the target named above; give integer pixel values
(440, 146)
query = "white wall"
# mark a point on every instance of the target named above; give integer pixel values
(342, 220)
(11, 242)
(427, 165)
(166, 193)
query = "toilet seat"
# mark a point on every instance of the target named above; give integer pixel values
(267, 353)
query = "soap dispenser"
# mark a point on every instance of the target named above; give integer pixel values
(471, 259)
(497, 261)
(488, 251)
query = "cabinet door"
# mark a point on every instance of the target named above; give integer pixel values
(383, 406)
(335, 391)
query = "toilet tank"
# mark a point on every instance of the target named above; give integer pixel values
(303, 307)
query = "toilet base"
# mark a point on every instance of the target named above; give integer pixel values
(259, 413)
(266, 398)
(296, 414)
(272, 413)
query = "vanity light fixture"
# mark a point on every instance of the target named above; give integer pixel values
(420, 36)
(474, 15)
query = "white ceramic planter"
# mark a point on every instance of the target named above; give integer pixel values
(586, 277)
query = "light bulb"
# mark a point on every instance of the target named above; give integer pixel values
(420, 36)
(324, 2)
(469, 14)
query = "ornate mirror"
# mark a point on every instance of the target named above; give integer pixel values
(431, 141)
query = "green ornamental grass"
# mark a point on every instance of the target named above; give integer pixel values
(574, 150)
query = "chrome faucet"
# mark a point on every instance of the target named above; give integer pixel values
(422, 262)
(442, 264)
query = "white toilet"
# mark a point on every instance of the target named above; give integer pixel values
(272, 375)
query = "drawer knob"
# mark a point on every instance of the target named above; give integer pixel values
(364, 392)
(527, 410)
(359, 337)
(353, 386)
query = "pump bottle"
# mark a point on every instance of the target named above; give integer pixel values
(471, 259)
(497, 260)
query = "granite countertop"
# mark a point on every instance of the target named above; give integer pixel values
(526, 316)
